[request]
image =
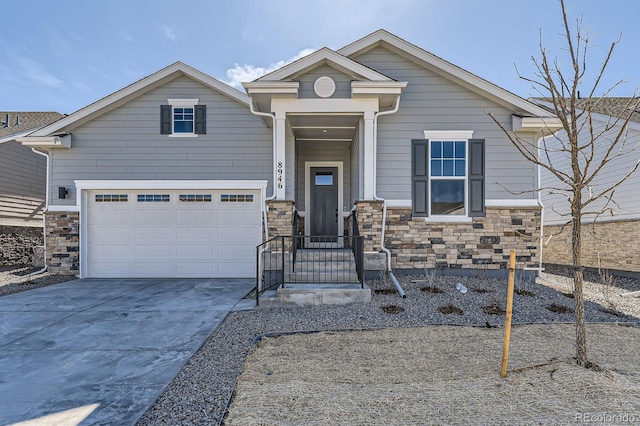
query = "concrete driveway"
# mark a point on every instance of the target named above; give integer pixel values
(102, 351)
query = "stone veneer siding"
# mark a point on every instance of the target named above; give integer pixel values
(484, 242)
(615, 243)
(63, 242)
(17, 243)
(280, 219)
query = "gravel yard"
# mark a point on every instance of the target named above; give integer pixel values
(201, 391)
(14, 279)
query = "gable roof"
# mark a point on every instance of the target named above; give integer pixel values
(136, 89)
(614, 107)
(329, 57)
(442, 67)
(14, 124)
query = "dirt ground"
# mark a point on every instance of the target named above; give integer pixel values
(441, 375)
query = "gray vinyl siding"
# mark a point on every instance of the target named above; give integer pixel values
(431, 102)
(126, 143)
(626, 203)
(343, 82)
(325, 151)
(22, 185)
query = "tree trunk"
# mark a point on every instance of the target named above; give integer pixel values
(581, 332)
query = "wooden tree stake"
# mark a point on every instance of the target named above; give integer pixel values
(507, 323)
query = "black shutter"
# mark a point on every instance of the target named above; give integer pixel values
(200, 119)
(420, 176)
(165, 119)
(476, 178)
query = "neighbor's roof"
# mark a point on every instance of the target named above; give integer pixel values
(17, 123)
(614, 107)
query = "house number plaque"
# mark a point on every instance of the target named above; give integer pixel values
(279, 175)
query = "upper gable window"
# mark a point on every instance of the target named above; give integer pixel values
(183, 118)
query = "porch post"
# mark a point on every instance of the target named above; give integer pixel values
(369, 157)
(280, 164)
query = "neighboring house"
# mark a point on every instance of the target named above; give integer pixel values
(612, 239)
(22, 185)
(22, 172)
(180, 175)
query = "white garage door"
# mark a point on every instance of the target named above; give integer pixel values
(191, 233)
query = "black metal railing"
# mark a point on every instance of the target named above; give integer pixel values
(304, 259)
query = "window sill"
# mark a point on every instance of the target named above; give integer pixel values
(183, 135)
(448, 219)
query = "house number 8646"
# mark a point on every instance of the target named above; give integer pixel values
(279, 173)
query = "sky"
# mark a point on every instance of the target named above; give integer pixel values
(66, 54)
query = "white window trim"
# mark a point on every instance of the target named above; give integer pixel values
(183, 103)
(450, 136)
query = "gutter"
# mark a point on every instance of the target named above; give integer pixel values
(44, 220)
(395, 108)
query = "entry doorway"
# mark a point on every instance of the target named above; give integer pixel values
(324, 199)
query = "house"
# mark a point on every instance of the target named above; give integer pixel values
(180, 175)
(22, 186)
(610, 239)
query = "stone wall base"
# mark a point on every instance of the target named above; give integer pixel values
(606, 245)
(63, 242)
(483, 243)
(17, 243)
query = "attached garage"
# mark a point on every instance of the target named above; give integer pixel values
(198, 230)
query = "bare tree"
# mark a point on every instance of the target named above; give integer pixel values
(581, 150)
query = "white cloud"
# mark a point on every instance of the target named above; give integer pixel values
(243, 73)
(170, 33)
(37, 73)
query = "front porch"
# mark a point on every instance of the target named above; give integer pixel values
(301, 270)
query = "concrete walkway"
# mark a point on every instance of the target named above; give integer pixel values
(101, 351)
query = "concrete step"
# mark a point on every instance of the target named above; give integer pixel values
(310, 294)
(324, 255)
(348, 276)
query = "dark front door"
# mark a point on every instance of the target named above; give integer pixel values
(324, 201)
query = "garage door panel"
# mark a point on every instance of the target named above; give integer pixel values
(154, 217)
(151, 252)
(237, 216)
(172, 239)
(196, 217)
(235, 234)
(109, 217)
(110, 251)
(195, 234)
(101, 234)
(235, 251)
(157, 234)
(203, 252)
(154, 269)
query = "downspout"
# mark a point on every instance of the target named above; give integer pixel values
(541, 208)
(394, 280)
(273, 140)
(44, 221)
(265, 220)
